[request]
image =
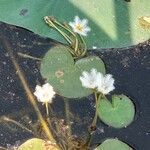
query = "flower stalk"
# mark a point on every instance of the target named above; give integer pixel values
(45, 94)
(100, 84)
(72, 36)
(47, 110)
(94, 122)
(50, 22)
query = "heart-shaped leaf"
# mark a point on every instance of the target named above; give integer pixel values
(38, 144)
(120, 113)
(60, 70)
(113, 144)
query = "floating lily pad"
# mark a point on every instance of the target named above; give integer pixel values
(38, 144)
(113, 23)
(113, 144)
(118, 113)
(60, 70)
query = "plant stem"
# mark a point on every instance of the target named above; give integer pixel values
(85, 47)
(93, 125)
(47, 111)
(72, 33)
(67, 113)
(97, 98)
(17, 123)
(51, 24)
(27, 90)
(49, 21)
(28, 56)
(65, 27)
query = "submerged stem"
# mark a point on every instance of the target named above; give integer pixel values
(28, 91)
(67, 113)
(17, 123)
(28, 56)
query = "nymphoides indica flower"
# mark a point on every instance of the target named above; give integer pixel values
(90, 79)
(44, 94)
(105, 84)
(95, 80)
(80, 26)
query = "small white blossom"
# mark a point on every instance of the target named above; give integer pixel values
(96, 80)
(80, 26)
(105, 83)
(90, 80)
(44, 93)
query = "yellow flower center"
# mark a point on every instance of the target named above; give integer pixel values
(79, 27)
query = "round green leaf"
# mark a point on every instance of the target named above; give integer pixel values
(34, 144)
(113, 23)
(113, 144)
(38, 144)
(60, 70)
(120, 113)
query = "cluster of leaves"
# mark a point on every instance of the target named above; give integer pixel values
(60, 70)
(63, 72)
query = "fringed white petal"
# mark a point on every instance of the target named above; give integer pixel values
(80, 26)
(44, 93)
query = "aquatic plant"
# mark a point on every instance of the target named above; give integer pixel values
(71, 72)
(75, 74)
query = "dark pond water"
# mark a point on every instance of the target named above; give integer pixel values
(130, 68)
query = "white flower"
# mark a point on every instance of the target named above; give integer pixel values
(90, 80)
(105, 83)
(44, 93)
(96, 80)
(80, 26)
